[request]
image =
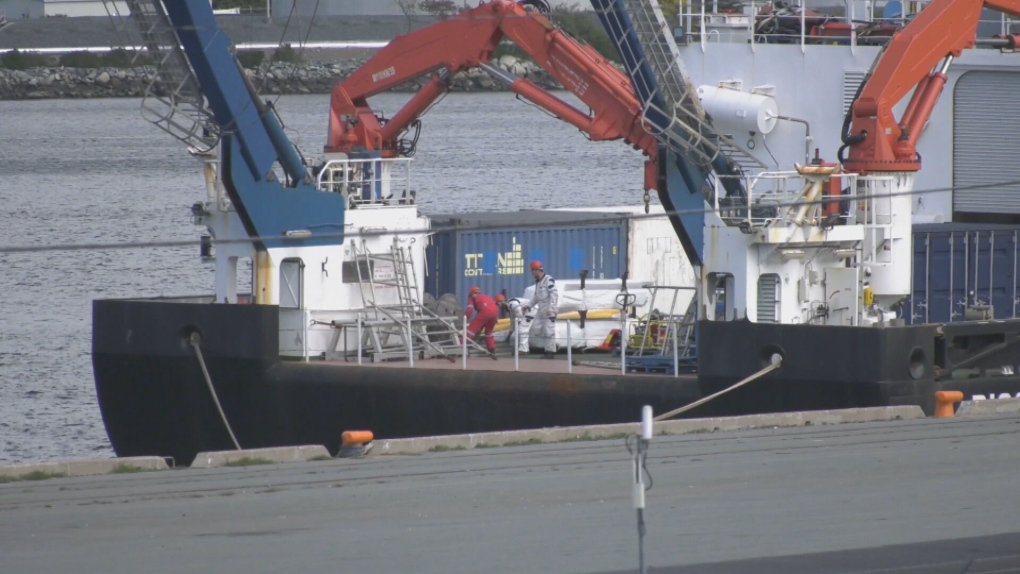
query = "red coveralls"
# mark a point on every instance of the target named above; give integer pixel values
(485, 319)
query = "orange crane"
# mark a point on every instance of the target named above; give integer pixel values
(877, 141)
(469, 40)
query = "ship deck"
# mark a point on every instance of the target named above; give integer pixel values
(583, 365)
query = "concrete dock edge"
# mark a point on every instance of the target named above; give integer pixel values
(989, 407)
(213, 459)
(276, 454)
(86, 467)
(675, 427)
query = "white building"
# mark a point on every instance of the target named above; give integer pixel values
(74, 8)
(305, 8)
(15, 9)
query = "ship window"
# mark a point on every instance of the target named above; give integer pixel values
(352, 273)
(291, 271)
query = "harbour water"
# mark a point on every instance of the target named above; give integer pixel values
(94, 171)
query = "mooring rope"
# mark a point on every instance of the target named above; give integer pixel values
(774, 366)
(195, 339)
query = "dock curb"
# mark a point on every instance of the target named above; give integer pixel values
(83, 467)
(441, 443)
(989, 407)
(255, 456)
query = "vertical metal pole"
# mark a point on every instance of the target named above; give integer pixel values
(359, 339)
(991, 264)
(463, 346)
(676, 353)
(410, 344)
(927, 277)
(570, 362)
(517, 342)
(304, 337)
(952, 255)
(623, 344)
(640, 455)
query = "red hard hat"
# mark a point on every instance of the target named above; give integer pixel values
(536, 264)
(500, 297)
(474, 290)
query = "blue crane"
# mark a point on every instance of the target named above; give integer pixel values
(252, 136)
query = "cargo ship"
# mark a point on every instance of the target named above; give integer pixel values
(810, 274)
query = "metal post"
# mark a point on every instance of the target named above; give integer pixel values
(304, 338)
(570, 362)
(359, 339)
(623, 345)
(410, 344)
(517, 343)
(676, 353)
(640, 455)
(463, 346)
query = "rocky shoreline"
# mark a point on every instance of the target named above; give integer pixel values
(270, 79)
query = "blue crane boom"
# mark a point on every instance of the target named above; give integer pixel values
(253, 141)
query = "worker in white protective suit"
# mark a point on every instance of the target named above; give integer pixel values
(519, 319)
(545, 301)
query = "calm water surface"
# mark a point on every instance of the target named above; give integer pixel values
(87, 171)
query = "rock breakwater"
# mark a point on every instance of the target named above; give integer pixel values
(270, 79)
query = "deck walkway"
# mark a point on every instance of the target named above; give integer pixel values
(505, 363)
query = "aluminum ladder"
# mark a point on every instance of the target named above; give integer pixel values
(672, 111)
(172, 100)
(403, 329)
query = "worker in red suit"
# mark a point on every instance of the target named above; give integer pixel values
(486, 314)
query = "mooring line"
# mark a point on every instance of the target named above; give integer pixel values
(195, 339)
(772, 367)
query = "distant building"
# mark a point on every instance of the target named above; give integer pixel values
(75, 8)
(305, 8)
(15, 9)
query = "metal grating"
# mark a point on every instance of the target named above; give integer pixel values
(851, 81)
(768, 299)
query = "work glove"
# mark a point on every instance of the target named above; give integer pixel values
(551, 313)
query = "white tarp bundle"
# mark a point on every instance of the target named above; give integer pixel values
(598, 295)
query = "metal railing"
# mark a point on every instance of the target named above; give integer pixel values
(756, 22)
(372, 181)
(784, 198)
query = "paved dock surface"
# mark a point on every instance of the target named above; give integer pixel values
(906, 496)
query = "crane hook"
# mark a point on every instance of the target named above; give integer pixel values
(647, 199)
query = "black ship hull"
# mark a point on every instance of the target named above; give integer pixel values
(156, 400)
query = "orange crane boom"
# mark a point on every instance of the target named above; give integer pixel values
(469, 40)
(877, 141)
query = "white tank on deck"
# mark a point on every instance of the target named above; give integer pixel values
(734, 110)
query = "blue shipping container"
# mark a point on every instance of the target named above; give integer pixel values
(494, 251)
(958, 265)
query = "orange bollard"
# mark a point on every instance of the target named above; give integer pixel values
(352, 438)
(944, 401)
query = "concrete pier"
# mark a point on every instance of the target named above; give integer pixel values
(912, 496)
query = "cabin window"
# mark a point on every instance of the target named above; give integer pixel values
(291, 274)
(357, 271)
